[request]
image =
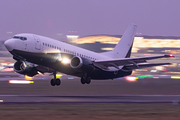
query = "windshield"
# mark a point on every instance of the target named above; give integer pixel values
(18, 37)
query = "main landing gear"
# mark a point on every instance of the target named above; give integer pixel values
(85, 79)
(55, 81)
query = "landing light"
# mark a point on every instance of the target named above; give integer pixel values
(65, 60)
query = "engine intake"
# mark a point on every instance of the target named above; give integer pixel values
(25, 68)
(81, 64)
(76, 62)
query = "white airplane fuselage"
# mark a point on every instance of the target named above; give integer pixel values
(56, 55)
(35, 53)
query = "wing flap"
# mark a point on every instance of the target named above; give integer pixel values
(131, 67)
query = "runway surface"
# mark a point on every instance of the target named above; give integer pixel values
(90, 99)
(146, 90)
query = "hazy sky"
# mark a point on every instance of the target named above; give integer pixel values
(89, 17)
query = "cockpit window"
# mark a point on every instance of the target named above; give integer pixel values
(18, 37)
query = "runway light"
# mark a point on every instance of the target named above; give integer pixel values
(163, 75)
(8, 69)
(175, 77)
(153, 71)
(139, 77)
(131, 79)
(155, 77)
(143, 76)
(66, 60)
(28, 78)
(20, 82)
(58, 75)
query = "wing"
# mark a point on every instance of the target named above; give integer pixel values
(113, 64)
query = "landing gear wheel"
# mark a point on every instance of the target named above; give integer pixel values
(53, 82)
(88, 80)
(83, 80)
(58, 82)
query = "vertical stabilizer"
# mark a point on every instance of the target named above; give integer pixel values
(124, 46)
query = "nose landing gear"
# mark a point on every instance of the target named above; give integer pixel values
(55, 81)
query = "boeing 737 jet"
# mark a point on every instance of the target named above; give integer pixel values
(38, 54)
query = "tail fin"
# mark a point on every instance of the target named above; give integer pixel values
(124, 46)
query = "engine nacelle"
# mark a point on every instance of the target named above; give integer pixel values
(25, 68)
(81, 65)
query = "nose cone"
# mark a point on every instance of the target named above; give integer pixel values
(9, 44)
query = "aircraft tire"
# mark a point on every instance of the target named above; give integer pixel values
(83, 80)
(58, 82)
(88, 80)
(53, 82)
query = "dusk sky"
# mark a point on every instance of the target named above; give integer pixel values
(89, 17)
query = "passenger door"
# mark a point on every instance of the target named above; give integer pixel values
(37, 43)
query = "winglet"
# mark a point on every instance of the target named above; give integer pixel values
(169, 55)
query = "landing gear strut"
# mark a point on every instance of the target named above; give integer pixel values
(85, 79)
(55, 81)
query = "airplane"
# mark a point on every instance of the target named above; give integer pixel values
(36, 54)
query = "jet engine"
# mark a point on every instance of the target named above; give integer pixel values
(81, 64)
(25, 68)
